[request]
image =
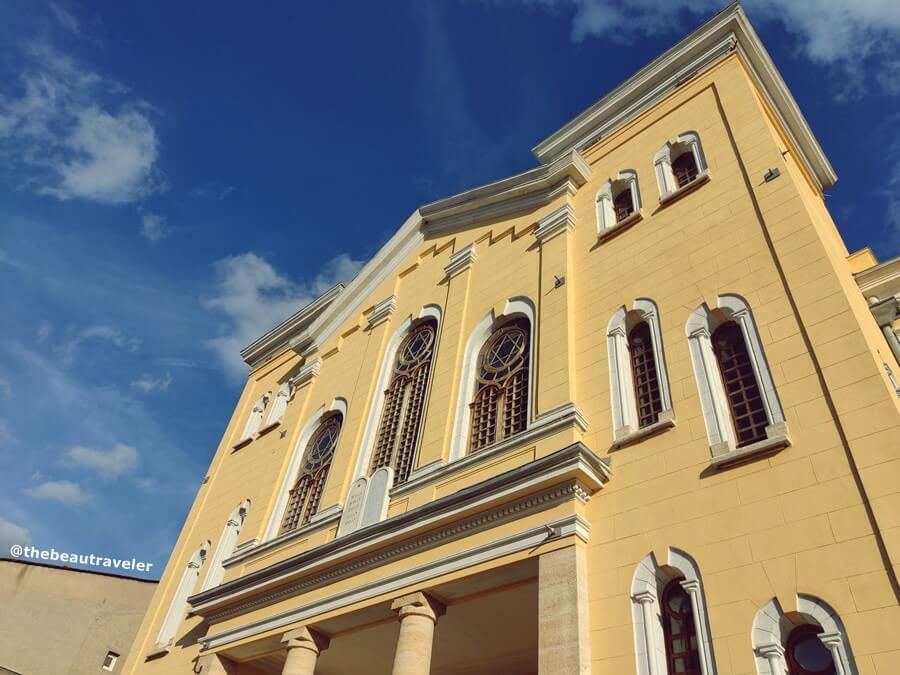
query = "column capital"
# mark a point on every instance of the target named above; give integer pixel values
(644, 597)
(419, 604)
(305, 638)
(771, 649)
(691, 585)
(831, 638)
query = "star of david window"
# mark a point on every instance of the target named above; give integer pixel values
(500, 407)
(404, 402)
(304, 497)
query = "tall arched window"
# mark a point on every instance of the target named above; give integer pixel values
(500, 407)
(648, 400)
(404, 401)
(748, 413)
(806, 654)
(684, 167)
(304, 497)
(682, 655)
(623, 205)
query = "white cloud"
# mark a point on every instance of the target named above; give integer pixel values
(68, 349)
(44, 330)
(10, 534)
(60, 127)
(148, 383)
(5, 433)
(254, 298)
(5, 388)
(65, 18)
(62, 491)
(842, 34)
(112, 463)
(154, 227)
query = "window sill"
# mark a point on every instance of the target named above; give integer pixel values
(158, 650)
(266, 429)
(666, 421)
(675, 195)
(768, 446)
(620, 226)
(241, 443)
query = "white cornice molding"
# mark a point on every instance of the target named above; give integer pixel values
(382, 311)
(306, 373)
(727, 31)
(881, 281)
(462, 259)
(524, 191)
(559, 220)
(284, 334)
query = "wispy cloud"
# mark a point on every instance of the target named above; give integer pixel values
(844, 35)
(5, 388)
(112, 463)
(253, 298)
(154, 227)
(10, 534)
(213, 190)
(75, 134)
(148, 383)
(5, 433)
(62, 491)
(65, 18)
(68, 348)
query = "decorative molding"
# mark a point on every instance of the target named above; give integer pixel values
(307, 373)
(462, 259)
(776, 439)
(575, 469)
(666, 421)
(881, 281)
(381, 311)
(678, 193)
(728, 31)
(620, 226)
(556, 419)
(571, 525)
(559, 220)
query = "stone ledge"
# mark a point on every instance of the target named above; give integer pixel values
(241, 443)
(666, 421)
(768, 446)
(675, 195)
(266, 429)
(620, 226)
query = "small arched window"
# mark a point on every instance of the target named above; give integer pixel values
(648, 401)
(500, 407)
(254, 420)
(304, 497)
(682, 655)
(404, 402)
(618, 200)
(684, 167)
(806, 654)
(623, 205)
(748, 413)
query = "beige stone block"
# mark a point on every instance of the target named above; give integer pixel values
(820, 498)
(871, 591)
(838, 561)
(850, 523)
(882, 479)
(874, 631)
(793, 537)
(886, 663)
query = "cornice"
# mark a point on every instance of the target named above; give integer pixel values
(307, 373)
(382, 311)
(881, 281)
(576, 468)
(559, 220)
(728, 31)
(462, 259)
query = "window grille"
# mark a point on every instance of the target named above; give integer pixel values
(806, 654)
(682, 655)
(684, 167)
(304, 498)
(623, 205)
(648, 401)
(748, 412)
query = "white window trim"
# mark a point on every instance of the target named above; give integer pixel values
(700, 326)
(621, 380)
(279, 406)
(178, 607)
(649, 640)
(290, 476)
(606, 215)
(111, 666)
(254, 420)
(689, 141)
(370, 431)
(771, 629)
(517, 306)
(226, 545)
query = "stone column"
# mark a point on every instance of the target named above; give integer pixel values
(303, 647)
(418, 615)
(564, 641)
(692, 586)
(774, 656)
(646, 599)
(833, 642)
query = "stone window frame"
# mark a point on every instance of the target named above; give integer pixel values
(226, 545)
(621, 381)
(254, 419)
(178, 606)
(699, 329)
(373, 420)
(689, 141)
(647, 585)
(278, 407)
(606, 196)
(518, 306)
(772, 627)
(273, 527)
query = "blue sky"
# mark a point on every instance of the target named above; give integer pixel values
(174, 181)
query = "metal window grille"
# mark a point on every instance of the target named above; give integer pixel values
(646, 379)
(304, 497)
(806, 654)
(682, 655)
(748, 413)
(404, 402)
(623, 205)
(685, 168)
(500, 407)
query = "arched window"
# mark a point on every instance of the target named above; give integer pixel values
(648, 401)
(226, 545)
(254, 420)
(684, 167)
(500, 407)
(682, 655)
(623, 205)
(404, 401)
(617, 201)
(278, 408)
(806, 654)
(748, 414)
(304, 497)
(178, 607)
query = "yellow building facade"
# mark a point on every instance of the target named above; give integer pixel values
(625, 413)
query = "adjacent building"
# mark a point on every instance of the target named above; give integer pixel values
(625, 413)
